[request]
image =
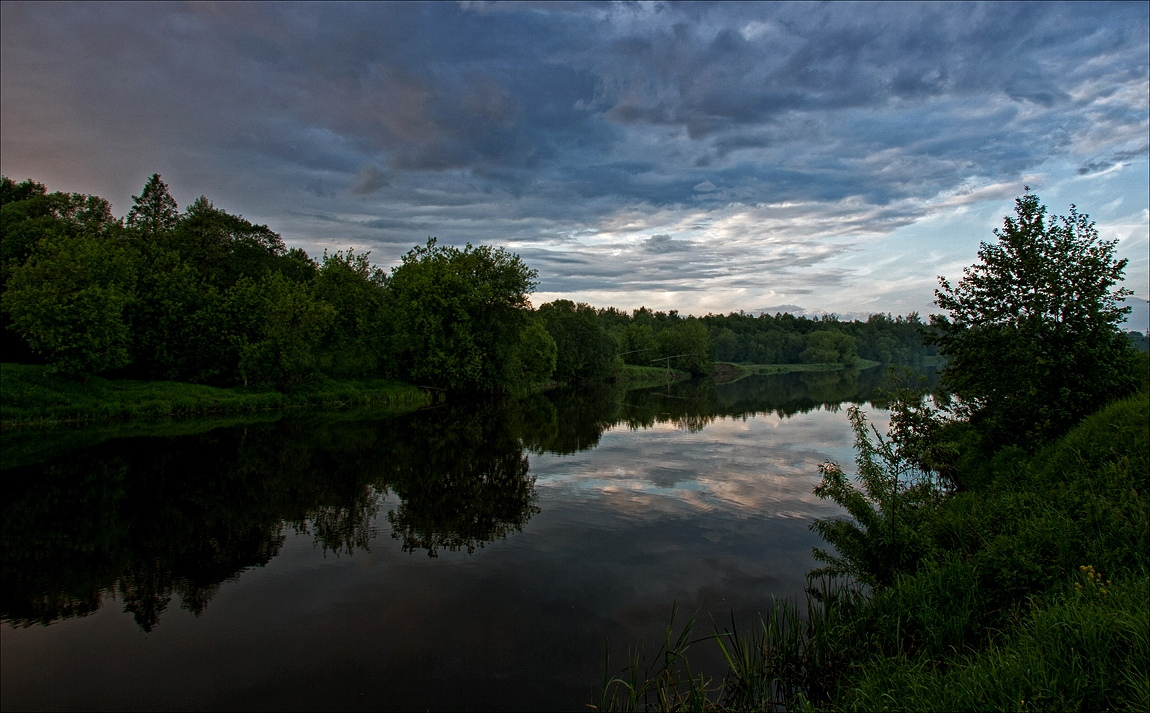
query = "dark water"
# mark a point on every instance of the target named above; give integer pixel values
(471, 556)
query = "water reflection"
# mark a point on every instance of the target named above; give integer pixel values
(141, 519)
(146, 518)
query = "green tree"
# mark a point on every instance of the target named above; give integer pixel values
(163, 317)
(828, 346)
(459, 315)
(357, 342)
(28, 213)
(537, 353)
(154, 213)
(891, 502)
(289, 325)
(224, 247)
(585, 349)
(688, 344)
(635, 343)
(68, 302)
(1032, 337)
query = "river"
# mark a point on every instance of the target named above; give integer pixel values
(471, 556)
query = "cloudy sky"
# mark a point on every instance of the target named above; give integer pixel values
(708, 157)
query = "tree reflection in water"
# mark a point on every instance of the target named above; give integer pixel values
(144, 518)
(141, 519)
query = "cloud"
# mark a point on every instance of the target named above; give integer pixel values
(773, 141)
(666, 244)
(1112, 160)
(370, 180)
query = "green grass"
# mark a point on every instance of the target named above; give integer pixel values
(767, 369)
(631, 376)
(31, 395)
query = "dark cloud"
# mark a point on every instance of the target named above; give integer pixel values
(1112, 160)
(370, 180)
(666, 244)
(539, 125)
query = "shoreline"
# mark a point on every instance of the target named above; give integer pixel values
(32, 397)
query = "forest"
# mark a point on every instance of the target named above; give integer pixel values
(202, 296)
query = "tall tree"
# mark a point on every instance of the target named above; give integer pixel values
(1032, 335)
(459, 315)
(154, 213)
(585, 349)
(68, 301)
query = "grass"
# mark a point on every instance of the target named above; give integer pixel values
(790, 368)
(1034, 595)
(31, 395)
(739, 370)
(632, 376)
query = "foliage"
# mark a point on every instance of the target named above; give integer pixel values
(289, 325)
(68, 301)
(830, 347)
(459, 314)
(213, 298)
(585, 349)
(891, 512)
(787, 339)
(357, 342)
(1032, 337)
(537, 354)
(154, 212)
(687, 346)
(634, 343)
(223, 248)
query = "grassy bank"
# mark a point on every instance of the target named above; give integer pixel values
(732, 371)
(1029, 590)
(631, 376)
(30, 395)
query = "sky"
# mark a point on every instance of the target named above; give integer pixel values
(817, 158)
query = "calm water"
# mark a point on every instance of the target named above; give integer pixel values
(471, 556)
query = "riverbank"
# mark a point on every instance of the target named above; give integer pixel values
(631, 376)
(726, 372)
(1025, 590)
(31, 396)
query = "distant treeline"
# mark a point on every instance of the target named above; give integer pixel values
(204, 296)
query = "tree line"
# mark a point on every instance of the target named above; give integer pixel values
(204, 296)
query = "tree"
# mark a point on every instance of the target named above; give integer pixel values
(585, 349)
(828, 346)
(356, 343)
(155, 212)
(224, 247)
(1032, 337)
(890, 501)
(688, 344)
(459, 315)
(537, 353)
(635, 343)
(289, 326)
(68, 301)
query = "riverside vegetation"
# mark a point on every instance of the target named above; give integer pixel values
(995, 554)
(170, 312)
